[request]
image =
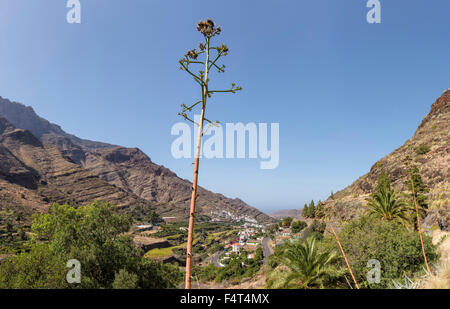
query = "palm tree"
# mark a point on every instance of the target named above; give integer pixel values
(388, 205)
(307, 265)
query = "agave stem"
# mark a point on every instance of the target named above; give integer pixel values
(195, 178)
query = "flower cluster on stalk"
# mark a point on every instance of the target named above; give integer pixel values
(208, 28)
(193, 54)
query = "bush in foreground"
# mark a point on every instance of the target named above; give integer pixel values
(397, 249)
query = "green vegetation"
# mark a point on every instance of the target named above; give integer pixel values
(418, 191)
(239, 266)
(13, 232)
(40, 268)
(309, 211)
(125, 280)
(387, 204)
(144, 213)
(320, 210)
(164, 252)
(307, 266)
(208, 240)
(205, 274)
(286, 222)
(298, 226)
(313, 210)
(95, 236)
(397, 249)
(316, 229)
(377, 235)
(422, 149)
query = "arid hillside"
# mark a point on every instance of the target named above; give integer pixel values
(429, 149)
(33, 175)
(280, 214)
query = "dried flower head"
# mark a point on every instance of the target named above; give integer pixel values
(208, 27)
(201, 46)
(223, 49)
(192, 54)
(210, 23)
(202, 26)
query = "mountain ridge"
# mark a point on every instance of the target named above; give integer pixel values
(129, 170)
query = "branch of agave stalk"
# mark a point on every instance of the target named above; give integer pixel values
(345, 257)
(195, 179)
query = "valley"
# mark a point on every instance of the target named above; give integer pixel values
(235, 245)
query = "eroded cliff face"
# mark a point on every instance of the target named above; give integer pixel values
(40, 174)
(132, 170)
(80, 171)
(429, 149)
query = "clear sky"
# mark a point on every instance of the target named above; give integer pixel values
(345, 92)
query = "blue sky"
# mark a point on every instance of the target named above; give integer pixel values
(345, 92)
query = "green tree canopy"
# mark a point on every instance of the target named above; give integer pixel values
(286, 222)
(298, 226)
(416, 185)
(95, 235)
(305, 211)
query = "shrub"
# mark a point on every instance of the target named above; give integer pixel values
(298, 226)
(239, 267)
(207, 273)
(398, 250)
(125, 280)
(38, 269)
(286, 222)
(422, 149)
(316, 230)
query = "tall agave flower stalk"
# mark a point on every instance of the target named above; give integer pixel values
(211, 54)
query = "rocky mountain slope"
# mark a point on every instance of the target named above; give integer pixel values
(429, 149)
(40, 174)
(41, 157)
